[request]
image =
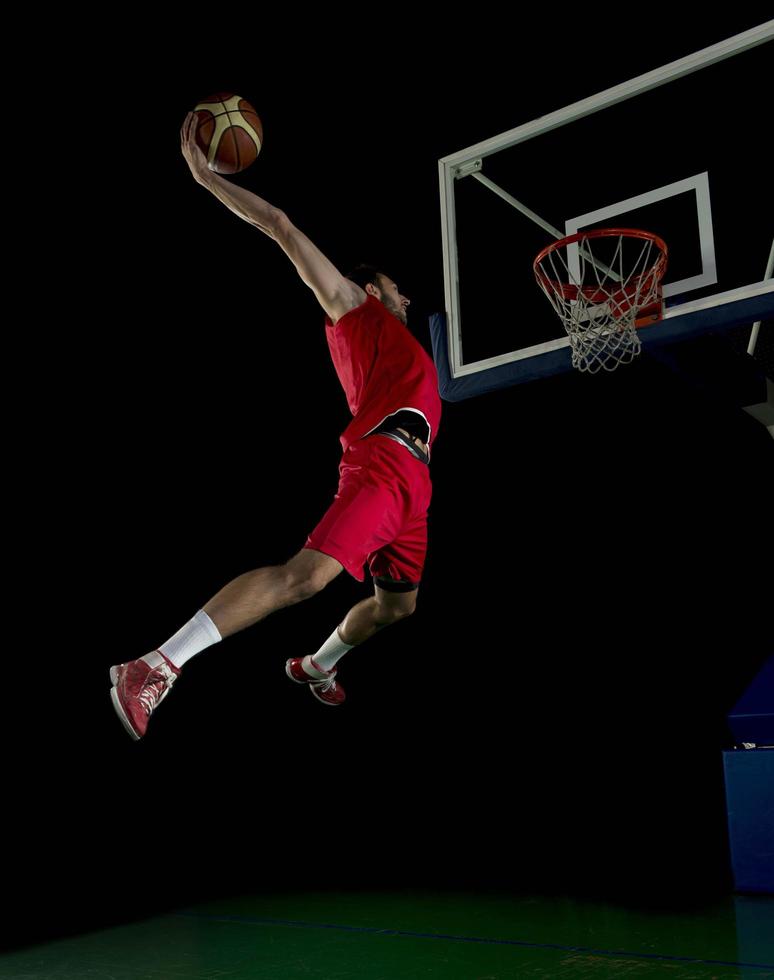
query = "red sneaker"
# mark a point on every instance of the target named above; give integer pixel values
(322, 683)
(139, 688)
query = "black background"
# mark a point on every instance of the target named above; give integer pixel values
(552, 718)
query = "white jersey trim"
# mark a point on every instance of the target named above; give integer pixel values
(406, 408)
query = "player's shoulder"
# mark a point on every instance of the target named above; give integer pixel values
(349, 296)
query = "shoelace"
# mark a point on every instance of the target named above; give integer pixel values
(154, 692)
(329, 685)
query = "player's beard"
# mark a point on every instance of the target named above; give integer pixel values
(394, 308)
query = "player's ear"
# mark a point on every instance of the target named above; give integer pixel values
(371, 289)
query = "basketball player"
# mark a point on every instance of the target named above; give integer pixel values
(379, 515)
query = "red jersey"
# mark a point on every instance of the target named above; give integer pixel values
(382, 369)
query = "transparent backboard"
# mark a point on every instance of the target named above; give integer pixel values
(678, 151)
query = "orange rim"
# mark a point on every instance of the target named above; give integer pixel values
(658, 268)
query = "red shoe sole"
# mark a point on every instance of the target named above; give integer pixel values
(122, 714)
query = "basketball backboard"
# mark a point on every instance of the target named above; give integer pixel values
(674, 151)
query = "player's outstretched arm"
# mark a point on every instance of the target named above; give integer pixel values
(336, 294)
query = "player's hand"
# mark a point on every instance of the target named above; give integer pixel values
(192, 152)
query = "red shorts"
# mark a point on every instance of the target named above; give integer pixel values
(379, 514)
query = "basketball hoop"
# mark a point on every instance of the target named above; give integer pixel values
(603, 296)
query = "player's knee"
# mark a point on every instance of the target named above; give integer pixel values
(306, 575)
(393, 609)
(304, 583)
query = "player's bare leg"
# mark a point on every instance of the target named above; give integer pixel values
(380, 610)
(140, 685)
(360, 623)
(253, 596)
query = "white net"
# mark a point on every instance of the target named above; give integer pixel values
(603, 284)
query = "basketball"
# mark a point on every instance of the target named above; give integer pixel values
(229, 132)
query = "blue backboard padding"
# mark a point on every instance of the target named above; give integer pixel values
(750, 800)
(457, 389)
(752, 717)
(714, 318)
(676, 328)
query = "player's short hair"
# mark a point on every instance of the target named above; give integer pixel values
(363, 274)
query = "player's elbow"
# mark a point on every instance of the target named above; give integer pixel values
(282, 227)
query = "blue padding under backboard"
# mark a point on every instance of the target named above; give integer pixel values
(457, 389)
(675, 328)
(750, 798)
(752, 717)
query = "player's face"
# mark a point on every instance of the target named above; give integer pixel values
(392, 298)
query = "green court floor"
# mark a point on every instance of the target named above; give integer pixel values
(399, 935)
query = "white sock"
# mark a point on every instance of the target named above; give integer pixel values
(329, 653)
(197, 634)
